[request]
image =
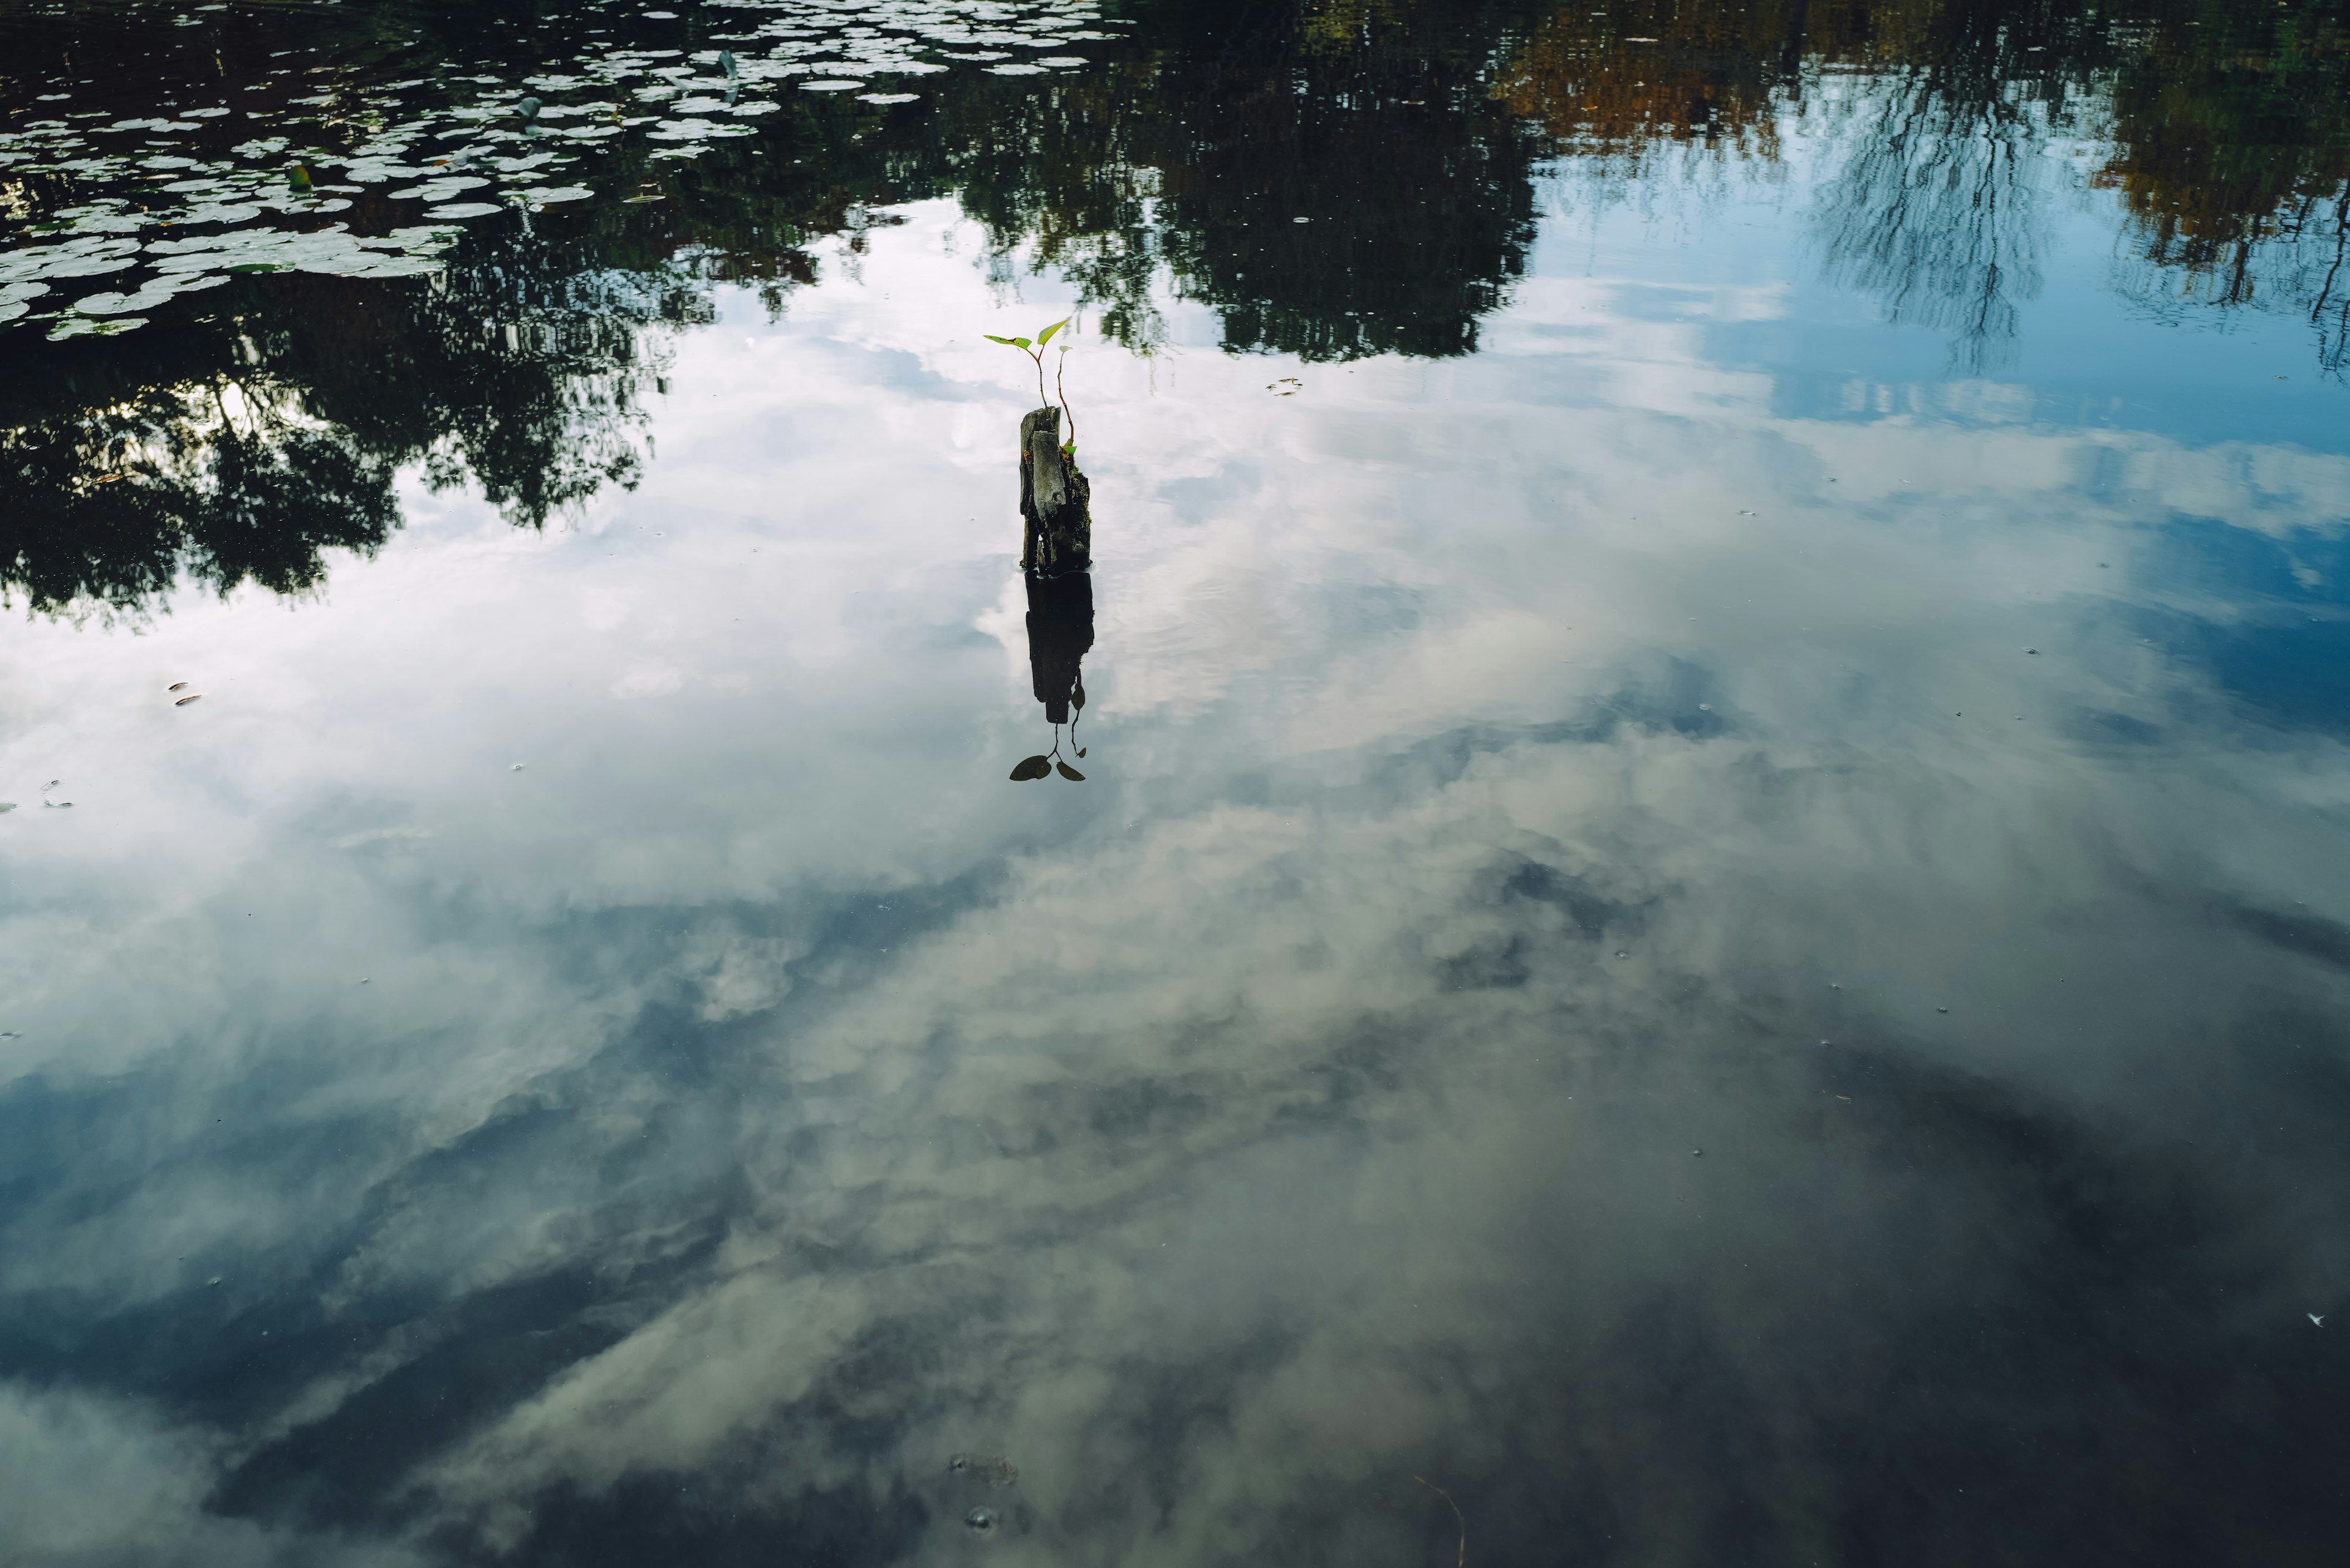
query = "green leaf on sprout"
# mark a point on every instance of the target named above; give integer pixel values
(1032, 768)
(1069, 773)
(1020, 343)
(992, 338)
(1046, 336)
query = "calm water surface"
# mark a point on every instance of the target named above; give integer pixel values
(1708, 916)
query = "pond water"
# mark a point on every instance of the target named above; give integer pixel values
(1697, 909)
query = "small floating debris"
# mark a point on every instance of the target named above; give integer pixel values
(2312, 1316)
(517, 768)
(993, 1470)
(1621, 953)
(191, 697)
(177, 686)
(979, 1521)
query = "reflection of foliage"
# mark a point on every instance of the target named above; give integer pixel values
(1334, 177)
(1332, 188)
(2232, 151)
(1413, 185)
(216, 477)
(1933, 214)
(239, 447)
(1933, 210)
(1704, 75)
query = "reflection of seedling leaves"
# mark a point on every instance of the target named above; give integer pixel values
(1032, 768)
(1069, 773)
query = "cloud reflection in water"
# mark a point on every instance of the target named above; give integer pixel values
(747, 1113)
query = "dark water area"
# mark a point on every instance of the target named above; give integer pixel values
(1675, 884)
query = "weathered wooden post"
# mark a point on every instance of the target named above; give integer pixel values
(1056, 501)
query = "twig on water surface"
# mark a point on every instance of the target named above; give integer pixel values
(1457, 1514)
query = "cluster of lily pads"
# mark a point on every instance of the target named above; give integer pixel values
(167, 205)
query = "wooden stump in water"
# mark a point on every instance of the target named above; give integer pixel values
(1056, 501)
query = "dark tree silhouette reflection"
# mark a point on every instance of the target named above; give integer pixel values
(1332, 177)
(240, 447)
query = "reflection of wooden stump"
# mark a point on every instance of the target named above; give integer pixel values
(1060, 634)
(1056, 501)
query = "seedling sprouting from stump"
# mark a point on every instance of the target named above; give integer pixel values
(1034, 348)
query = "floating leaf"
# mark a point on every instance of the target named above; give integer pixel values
(1032, 768)
(1069, 773)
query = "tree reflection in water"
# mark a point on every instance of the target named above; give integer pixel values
(1333, 179)
(240, 446)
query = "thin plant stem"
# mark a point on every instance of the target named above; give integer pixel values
(1060, 373)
